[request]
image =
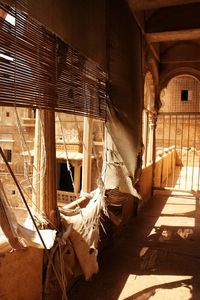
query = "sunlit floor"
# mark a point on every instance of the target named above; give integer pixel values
(156, 257)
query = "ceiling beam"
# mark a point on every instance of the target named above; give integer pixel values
(167, 36)
(176, 61)
(154, 4)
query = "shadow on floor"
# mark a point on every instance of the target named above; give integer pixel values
(157, 253)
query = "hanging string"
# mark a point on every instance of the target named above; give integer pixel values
(63, 137)
(68, 166)
(25, 149)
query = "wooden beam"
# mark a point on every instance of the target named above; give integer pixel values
(179, 61)
(154, 52)
(147, 4)
(167, 36)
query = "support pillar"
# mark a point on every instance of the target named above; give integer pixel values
(50, 192)
(87, 154)
(145, 134)
(38, 164)
(77, 176)
(151, 123)
(154, 150)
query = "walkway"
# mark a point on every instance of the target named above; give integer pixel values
(157, 257)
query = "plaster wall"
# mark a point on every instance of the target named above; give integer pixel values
(21, 275)
(126, 84)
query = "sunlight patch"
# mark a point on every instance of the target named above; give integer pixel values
(157, 287)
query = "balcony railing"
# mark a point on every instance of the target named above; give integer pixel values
(71, 147)
(165, 166)
(65, 197)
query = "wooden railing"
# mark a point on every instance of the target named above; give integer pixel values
(165, 166)
(71, 147)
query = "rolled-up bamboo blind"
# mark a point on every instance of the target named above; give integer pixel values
(39, 70)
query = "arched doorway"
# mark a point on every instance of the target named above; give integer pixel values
(178, 135)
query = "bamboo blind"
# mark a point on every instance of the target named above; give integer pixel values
(39, 70)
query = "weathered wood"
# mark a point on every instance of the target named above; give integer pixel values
(39, 164)
(179, 35)
(50, 194)
(87, 155)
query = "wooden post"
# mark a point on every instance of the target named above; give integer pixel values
(38, 164)
(151, 126)
(50, 192)
(87, 154)
(77, 177)
(145, 133)
(154, 152)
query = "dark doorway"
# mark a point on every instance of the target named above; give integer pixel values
(65, 183)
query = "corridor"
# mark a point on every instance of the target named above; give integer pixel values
(157, 257)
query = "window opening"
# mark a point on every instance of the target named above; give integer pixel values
(9, 18)
(35, 91)
(8, 154)
(65, 183)
(184, 95)
(70, 146)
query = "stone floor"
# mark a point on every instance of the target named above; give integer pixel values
(157, 257)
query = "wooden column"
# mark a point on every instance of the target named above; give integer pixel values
(77, 176)
(145, 134)
(87, 154)
(50, 193)
(38, 164)
(154, 152)
(151, 126)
